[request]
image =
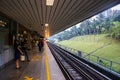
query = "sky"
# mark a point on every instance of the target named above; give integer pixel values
(117, 7)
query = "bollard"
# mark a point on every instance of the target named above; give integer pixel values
(110, 65)
(98, 60)
(79, 54)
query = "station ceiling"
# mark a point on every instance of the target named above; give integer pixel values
(33, 14)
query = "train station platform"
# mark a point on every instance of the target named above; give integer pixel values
(42, 66)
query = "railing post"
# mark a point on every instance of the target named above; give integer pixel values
(98, 60)
(74, 51)
(70, 49)
(79, 54)
(65, 48)
(89, 57)
(110, 65)
(59, 45)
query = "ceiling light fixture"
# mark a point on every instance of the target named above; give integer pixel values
(46, 24)
(49, 2)
(2, 23)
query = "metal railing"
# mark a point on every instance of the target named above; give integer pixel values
(109, 64)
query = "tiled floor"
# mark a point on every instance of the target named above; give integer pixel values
(33, 70)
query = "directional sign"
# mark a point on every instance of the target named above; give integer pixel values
(28, 78)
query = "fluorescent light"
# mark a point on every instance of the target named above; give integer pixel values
(25, 32)
(2, 23)
(49, 2)
(18, 34)
(46, 24)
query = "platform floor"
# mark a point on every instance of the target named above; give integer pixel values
(41, 67)
(55, 72)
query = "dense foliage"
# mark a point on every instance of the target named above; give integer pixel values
(116, 30)
(105, 22)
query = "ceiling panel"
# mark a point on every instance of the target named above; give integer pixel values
(33, 14)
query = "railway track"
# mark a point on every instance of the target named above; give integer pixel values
(73, 68)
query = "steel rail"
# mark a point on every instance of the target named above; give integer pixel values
(85, 71)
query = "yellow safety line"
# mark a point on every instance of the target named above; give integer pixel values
(47, 64)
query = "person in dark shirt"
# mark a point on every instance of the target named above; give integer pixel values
(17, 54)
(24, 49)
(39, 45)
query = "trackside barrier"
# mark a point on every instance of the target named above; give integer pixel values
(111, 65)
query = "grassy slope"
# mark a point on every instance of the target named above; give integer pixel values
(90, 43)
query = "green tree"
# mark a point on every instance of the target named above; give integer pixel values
(116, 30)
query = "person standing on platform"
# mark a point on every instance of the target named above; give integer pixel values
(39, 45)
(42, 42)
(24, 49)
(17, 54)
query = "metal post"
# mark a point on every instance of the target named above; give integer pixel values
(79, 54)
(89, 57)
(110, 65)
(74, 50)
(65, 48)
(98, 60)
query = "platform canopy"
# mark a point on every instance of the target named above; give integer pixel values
(59, 14)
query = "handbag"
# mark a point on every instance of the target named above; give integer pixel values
(22, 57)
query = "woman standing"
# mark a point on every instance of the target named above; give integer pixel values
(24, 49)
(18, 52)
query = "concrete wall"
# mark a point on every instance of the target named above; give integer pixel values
(8, 34)
(6, 56)
(6, 51)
